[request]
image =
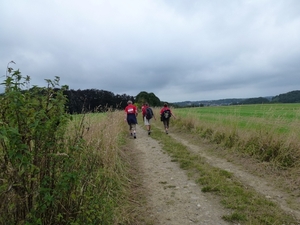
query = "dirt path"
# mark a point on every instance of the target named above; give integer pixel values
(174, 199)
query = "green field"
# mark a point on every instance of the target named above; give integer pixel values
(279, 118)
(267, 132)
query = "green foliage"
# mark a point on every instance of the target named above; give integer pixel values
(235, 217)
(93, 100)
(266, 132)
(289, 97)
(36, 167)
(151, 98)
(259, 100)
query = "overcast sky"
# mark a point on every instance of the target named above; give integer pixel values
(178, 49)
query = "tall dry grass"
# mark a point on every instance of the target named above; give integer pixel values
(105, 136)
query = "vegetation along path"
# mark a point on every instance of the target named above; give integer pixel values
(174, 197)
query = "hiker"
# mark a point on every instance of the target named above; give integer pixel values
(130, 116)
(148, 115)
(165, 115)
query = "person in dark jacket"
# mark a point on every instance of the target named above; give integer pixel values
(165, 115)
(147, 119)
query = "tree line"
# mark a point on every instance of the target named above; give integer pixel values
(289, 97)
(94, 100)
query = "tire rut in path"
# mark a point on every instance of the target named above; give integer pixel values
(173, 198)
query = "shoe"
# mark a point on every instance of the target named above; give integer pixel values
(134, 136)
(149, 132)
(166, 132)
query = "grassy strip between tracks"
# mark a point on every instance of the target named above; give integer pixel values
(246, 206)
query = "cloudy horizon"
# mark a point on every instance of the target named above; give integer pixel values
(179, 50)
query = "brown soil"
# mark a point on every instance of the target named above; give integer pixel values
(172, 198)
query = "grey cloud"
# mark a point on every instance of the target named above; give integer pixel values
(177, 49)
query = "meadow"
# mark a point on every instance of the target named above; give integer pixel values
(269, 132)
(278, 118)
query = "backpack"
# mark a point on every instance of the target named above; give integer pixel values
(149, 113)
(166, 114)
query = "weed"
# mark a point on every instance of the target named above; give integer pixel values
(218, 137)
(235, 217)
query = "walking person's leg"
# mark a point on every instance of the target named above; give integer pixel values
(130, 128)
(134, 130)
(132, 125)
(147, 124)
(167, 125)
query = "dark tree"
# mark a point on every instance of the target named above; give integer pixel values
(259, 100)
(151, 98)
(289, 97)
(93, 100)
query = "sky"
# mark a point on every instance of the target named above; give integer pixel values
(177, 49)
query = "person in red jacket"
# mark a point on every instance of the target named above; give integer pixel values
(165, 115)
(130, 116)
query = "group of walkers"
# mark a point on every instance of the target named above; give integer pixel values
(131, 112)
